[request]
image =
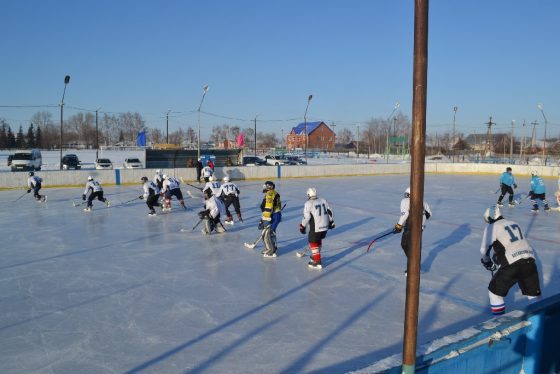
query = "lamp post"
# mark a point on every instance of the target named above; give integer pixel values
(511, 142)
(358, 141)
(167, 126)
(397, 105)
(96, 135)
(541, 108)
(453, 139)
(255, 135)
(66, 81)
(305, 124)
(205, 89)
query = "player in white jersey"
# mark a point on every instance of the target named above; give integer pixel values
(318, 215)
(229, 193)
(151, 195)
(172, 187)
(34, 183)
(158, 179)
(213, 210)
(95, 191)
(514, 257)
(402, 224)
(213, 185)
(207, 172)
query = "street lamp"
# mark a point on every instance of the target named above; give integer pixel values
(96, 135)
(397, 105)
(205, 89)
(255, 135)
(305, 124)
(541, 108)
(455, 108)
(167, 126)
(66, 81)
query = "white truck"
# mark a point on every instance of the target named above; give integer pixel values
(29, 159)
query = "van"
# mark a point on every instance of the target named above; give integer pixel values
(27, 160)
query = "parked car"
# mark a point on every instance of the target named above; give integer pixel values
(103, 163)
(30, 159)
(296, 160)
(273, 160)
(253, 161)
(10, 157)
(71, 161)
(132, 163)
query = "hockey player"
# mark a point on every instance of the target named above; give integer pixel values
(34, 183)
(158, 179)
(213, 185)
(172, 187)
(513, 256)
(229, 193)
(319, 216)
(96, 191)
(271, 208)
(213, 210)
(538, 192)
(507, 181)
(402, 224)
(151, 195)
(198, 169)
(207, 172)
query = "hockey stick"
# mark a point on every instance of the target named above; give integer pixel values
(131, 200)
(499, 188)
(194, 227)
(25, 193)
(78, 204)
(191, 195)
(379, 237)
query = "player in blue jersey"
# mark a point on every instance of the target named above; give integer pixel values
(507, 184)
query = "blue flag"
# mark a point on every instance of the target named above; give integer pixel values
(141, 139)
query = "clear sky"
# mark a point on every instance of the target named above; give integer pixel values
(498, 58)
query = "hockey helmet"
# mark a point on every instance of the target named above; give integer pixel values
(144, 179)
(492, 214)
(207, 193)
(311, 193)
(158, 171)
(407, 192)
(90, 178)
(268, 185)
(31, 173)
(226, 179)
(508, 169)
(212, 178)
(534, 173)
(165, 176)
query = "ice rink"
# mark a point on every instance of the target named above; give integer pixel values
(117, 291)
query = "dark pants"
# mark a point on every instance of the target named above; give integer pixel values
(232, 199)
(95, 195)
(405, 240)
(36, 189)
(523, 272)
(152, 201)
(506, 189)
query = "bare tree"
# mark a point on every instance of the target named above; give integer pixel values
(267, 140)
(345, 136)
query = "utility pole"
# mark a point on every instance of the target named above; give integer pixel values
(534, 135)
(489, 135)
(453, 139)
(511, 142)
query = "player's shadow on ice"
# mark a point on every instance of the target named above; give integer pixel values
(456, 236)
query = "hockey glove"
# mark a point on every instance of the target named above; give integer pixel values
(28, 191)
(141, 197)
(428, 215)
(514, 185)
(398, 228)
(261, 225)
(302, 228)
(203, 214)
(489, 265)
(332, 225)
(83, 197)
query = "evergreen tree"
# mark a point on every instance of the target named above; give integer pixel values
(20, 140)
(3, 137)
(30, 138)
(11, 139)
(39, 138)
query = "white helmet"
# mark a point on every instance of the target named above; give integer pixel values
(164, 176)
(90, 178)
(407, 192)
(158, 171)
(211, 178)
(311, 193)
(492, 214)
(226, 179)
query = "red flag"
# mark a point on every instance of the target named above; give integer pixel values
(240, 140)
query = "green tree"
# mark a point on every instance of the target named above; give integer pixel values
(39, 138)
(30, 138)
(20, 139)
(11, 139)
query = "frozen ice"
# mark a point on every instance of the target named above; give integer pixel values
(117, 291)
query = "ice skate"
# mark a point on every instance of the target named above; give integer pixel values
(229, 221)
(88, 209)
(269, 255)
(500, 204)
(535, 210)
(314, 264)
(152, 213)
(108, 203)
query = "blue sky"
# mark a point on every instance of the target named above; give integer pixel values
(496, 58)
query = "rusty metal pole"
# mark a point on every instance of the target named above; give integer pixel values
(420, 82)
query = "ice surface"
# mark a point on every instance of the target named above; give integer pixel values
(116, 291)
